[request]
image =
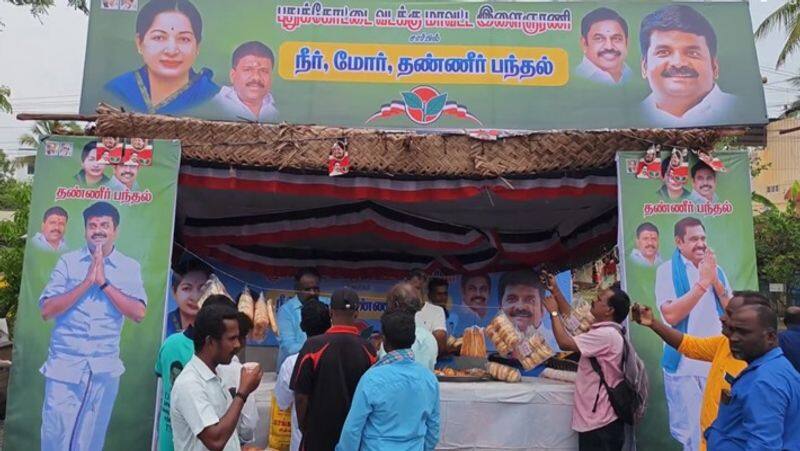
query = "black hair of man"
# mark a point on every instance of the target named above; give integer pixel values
(252, 48)
(685, 223)
(99, 209)
(600, 15)
(435, 283)
(58, 211)
(87, 149)
(767, 318)
(702, 165)
(466, 278)
(621, 303)
(398, 329)
(524, 277)
(210, 323)
(677, 18)
(792, 316)
(308, 271)
(752, 298)
(185, 267)
(646, 227)
(315, 318)
(147, 15)
(403, 296)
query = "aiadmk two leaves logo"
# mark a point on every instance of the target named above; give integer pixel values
(423, 105)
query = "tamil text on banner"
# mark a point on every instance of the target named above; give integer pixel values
(680, 217)
(92, 299)
(428, 65)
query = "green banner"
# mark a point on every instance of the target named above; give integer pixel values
(91, 307)
(678, 213)
(428, 65)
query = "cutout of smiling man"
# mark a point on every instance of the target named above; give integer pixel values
(249, 97)
(604, 42)
(679, 62)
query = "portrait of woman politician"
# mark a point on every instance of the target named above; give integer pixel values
(168, 36)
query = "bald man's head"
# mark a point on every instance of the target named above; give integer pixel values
(792, 317)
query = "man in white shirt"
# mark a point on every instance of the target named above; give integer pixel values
(679, 61)
(203, 413)
(691, 294)
(646, 251)
(249, 97)
(51, 236)
(431, 317)
(315, 319)
(604, 42)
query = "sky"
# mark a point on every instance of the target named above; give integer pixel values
(41, 60)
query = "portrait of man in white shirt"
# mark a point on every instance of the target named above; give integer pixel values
(249, 97)
(604, 42)
(679, 62)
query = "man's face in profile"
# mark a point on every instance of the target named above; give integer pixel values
(606, 45)
(252, 78)
(679, 64)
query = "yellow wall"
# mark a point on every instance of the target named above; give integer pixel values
(783, 154)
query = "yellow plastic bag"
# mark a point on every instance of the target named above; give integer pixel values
(280, 427)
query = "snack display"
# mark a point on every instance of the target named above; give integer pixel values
(579, 320)
(503, 334)
(472, 372)
(260, 319)
(533, 352)
(246, 304)
(273, 323)
(211, 287)
(474, 343)
(503, 372)
(559, 375)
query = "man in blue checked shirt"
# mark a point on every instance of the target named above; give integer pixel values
(292, 337)
(90, 293)
(762, 410)
(396, 404)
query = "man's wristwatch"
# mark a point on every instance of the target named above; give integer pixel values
(554, 314)
(104, 285)
(241, 395)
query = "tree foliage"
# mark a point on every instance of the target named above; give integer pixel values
(786, 18)
(15, 197)
(777, 236)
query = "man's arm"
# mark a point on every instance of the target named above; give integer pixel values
(215, 437)
(644, 316)
(563, 338)
(677, 310)
(52, 305)
(131, 307)
(301, 408)
(353, 429)
(432, 425)
(764, 416)
(440, 330)
(563, 305)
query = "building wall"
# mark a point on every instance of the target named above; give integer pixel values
(783, 154)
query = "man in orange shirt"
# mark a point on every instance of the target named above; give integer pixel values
(724, 367)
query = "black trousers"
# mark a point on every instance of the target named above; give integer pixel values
(610, 437)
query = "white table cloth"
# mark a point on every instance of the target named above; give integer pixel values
(532, 415)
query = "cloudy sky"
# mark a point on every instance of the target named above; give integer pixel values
(42, 63)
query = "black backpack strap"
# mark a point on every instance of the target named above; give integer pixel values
(599, 371)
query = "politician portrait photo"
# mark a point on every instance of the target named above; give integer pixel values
(249, 97)
(645, 251)
(604, 43)
(92, 172)
(90, 293)
(691, 292)
(51, 235)
(704, 184)
(168, 37)
(679, 62)
(521, 298)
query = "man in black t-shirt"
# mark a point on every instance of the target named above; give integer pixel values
(327, 371)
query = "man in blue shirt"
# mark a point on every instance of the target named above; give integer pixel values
(90, 293)
(762, 410)
(790, 338)
(396, 404)
(292, 337)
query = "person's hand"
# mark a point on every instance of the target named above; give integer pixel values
(90, 273)
(548, 280)
(250, 378)
(708, 269)
(550, 304)
(642, 314)
(99, 271)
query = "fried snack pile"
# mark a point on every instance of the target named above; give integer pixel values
(211, 287)
(473, 343)
(260, 319)
(472, 372)
(503, 372)
(580, 319)
(503, 334)
(246, 304)
(559, 375)
(533, 352)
